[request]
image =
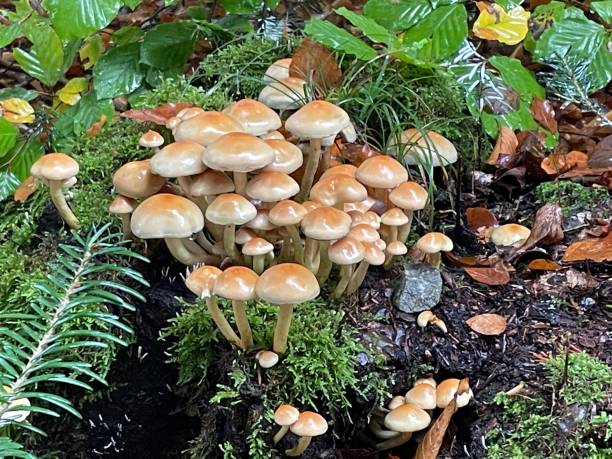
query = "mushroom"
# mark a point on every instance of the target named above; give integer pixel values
(422, 395)
(394, 218)
(394, 248)
(205, 128)
(271, 187)
(346, 252)
(446, 391)
(257, 248)
(286, 284)
(341, 169)
(308, 425)
(272, 135)
(288, 158)
(278, 70)
(201, 282)
(267, 359)
(431, 149)
(432, 244)
(406, 419)
(182, 160)
(409, 196)
(151, 139)
(381, 173)
(430, 381)
(255, 117)
(284, 416)
(284, 94)
(395, 402)
(237, 283)
(373, 256)
(123, 207)
(510, 234)
(338, 189)
(289, 214)
(55, 168)
(136, 180)
(8, 413)
(428, 317)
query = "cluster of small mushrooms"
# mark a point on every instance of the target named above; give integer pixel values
(305, 425)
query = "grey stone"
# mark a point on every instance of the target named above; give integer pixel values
(417, 288)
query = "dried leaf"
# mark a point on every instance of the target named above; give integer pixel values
(602, 154)
(542, 264)
(506, 145)
(356, 153)
(479, 260)
(544, 113)
(477, 217)
(25, 190)
(597, 249)
(159, 115)
(560, 163)
(16, 110)
(488, 324)
(314, 63)
(494, 23)
(494, 275)
(547, 229)
(96, 127)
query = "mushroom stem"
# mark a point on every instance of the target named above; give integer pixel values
(310, 254)
(126, 228)
(357, 277)
(178, 250)
(280, 434)
(185, 184)
(221, 322)
(281, 332)
(312, 163)
(325, 266)
(388, 261)
(379, 431)
(298, 249)
(198, 251)
(229, 243)
(259, 263)
(242, 322)
(204, 242)
(299, 449)
(325, 159)
(346, 272)
(240, 183)
(394, 442)
(404, 230)
(434, 259)
(59, 200)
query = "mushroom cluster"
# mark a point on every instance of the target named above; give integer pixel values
(305, 425)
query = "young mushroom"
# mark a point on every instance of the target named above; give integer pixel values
(181, 160)
(136, 180)
(446, 390)
(288, 158)
(432, 244)
(395, 402)
(285, 415)
(406, 419)
(257, 248)
(511, 234)
(383, 173)
(422, 395)
(289, 214)
(409, 196)
(278, 70)
(284, 94)
(123, 207)
(266, 359)
(151, 139)
(346, 253)
(427, 317)
(206, 128)
(308, 425)
(55, 169)
(394, 248)
(373, 256)
(255, 118)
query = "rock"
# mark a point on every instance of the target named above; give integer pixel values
(418, 288)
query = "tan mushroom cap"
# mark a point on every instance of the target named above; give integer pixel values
(189, 112)
(243, 235)
(257, 246)
(55, 166)
(178, 159)
(287, 213)
(431, 148)
(287, 283)
(288, 157)
(430, 381)
(380, 243)
(396, 402)
(230, 209)
(338, 189)
(309, 424)
(311, 205)
(122, 205)
(267, 359)
(13, 413)
(285, 415)
(238, 152)
(363, 232)
(285, 94)
(509, 234)
(272, 135)
(326, 224)
(201, 282)
(446, 391)
(346, 251)
(261, 221)
(434, 243)
(136, 180)
(409, 196)
(151, 139)
(344, 169)
(166, 216)
(206, 128)
(362, 206)
(255, 117)
(394, 217)
(211, 182)
(381, 172)
(407, 418)
(373, 255)
(317, 120)
(397, 248)
(236, 283)
(272, 187)
(423, 396)
(278, 70)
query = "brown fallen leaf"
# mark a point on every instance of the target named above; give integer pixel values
(506, 145)
(596, 249)
(96, 127)
(314, 63)
(488, 324)
(494, 275)
(25, 190)
(433, 439)
(544, 113)
(159, 115)
(356, 153)
(559, 163)
(601, 157)
(477, 217)
(541, 264)
(547, 229)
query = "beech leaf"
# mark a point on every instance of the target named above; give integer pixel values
(494, 23)
(159, 115)
(16, 110)
(506, 145)
(541, 264)
(477, 217)
(314, 63)
(488, 324)
(595, 249)
(547, 229)
(559, 163)
(70, 94)
(544, 113)
(494, 275)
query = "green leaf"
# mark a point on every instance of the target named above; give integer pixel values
(8, 184)
(18, 93)
(397, 15)
(126, 35)
(131, 4)
(168, 45)
(26, 154)
(79, 118)
(45, 59)
(241, 6)
(603, 9)
(80, 18)
(234, 23)
(8, 136)
(118, 72)
(91, 51)
(369, 27)
(518, 120)
(338, 39)
(8, 33)
(517, 77)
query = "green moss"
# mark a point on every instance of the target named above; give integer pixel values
(573, 197)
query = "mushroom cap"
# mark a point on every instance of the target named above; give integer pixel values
(395, 402)
(255, 117)
(55, 166)
(288, 157)
(381, 172)
(69, 183)
(373, 255)
(509, 234)
(166, 216)
(344, 169)
(230, 209)
(346, 251)
(394, 217)
(317, 120)
(278, 70)
(380, 243)
(178, 159)
(272, 135)
(326, 224)
(12, 414)
(236, 283)
(122, 205)
(151, 139)
(424, 318)
(431, 148)
(201, 281)
(338, 189)
(446, 391)
(272, 187)
(409, 196)
(407, 418)
(257, 246)
(287, 283)
(311, 205)
(363, 206)
(434, 243)
(261, 221)
(189, 112)
(267, 359)
(309, 424)
(285, 415)
(423, 396)
(210, 183)
(173, 122)
(397, 248)
(363, 232)
(287, 213)
(430, 381)
(285, 94)
(243, 235)
(136, 180)
(206, 128)
(238, 152)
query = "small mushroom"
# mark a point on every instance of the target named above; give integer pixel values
(406, 419)
(206, 127)
(396, 401)
(256, 118)
(278, 70)
(346, 253)
(288, 158)
(511, 234)
(151, 139)
(430, 381)
(409, 196)
(308, 425)
(395, 248)
(181, 160)
(432, 244)
(422, 395)
(266, 359)
(289, 214)
(285, 415)
(383, 173)
(285, 94)
(374, 256)
(136, 180)
(123, 207)
(446, 391)
(428, 317)
(258, 248)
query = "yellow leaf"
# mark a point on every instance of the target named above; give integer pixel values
(17, 110)
(494, 23)
(71, 93)
(91, 51)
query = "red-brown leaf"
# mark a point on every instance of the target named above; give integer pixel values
(314, 63)
(159, 115)
(597, 249)
(506, 145)
(544, 113)
(547, 229)
(488, 324)
(560, 163)
(494, 275)
(477, 217)
(602, 154)
(25, 190)
(96, 127)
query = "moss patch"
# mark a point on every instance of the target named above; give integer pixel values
(573, 198)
